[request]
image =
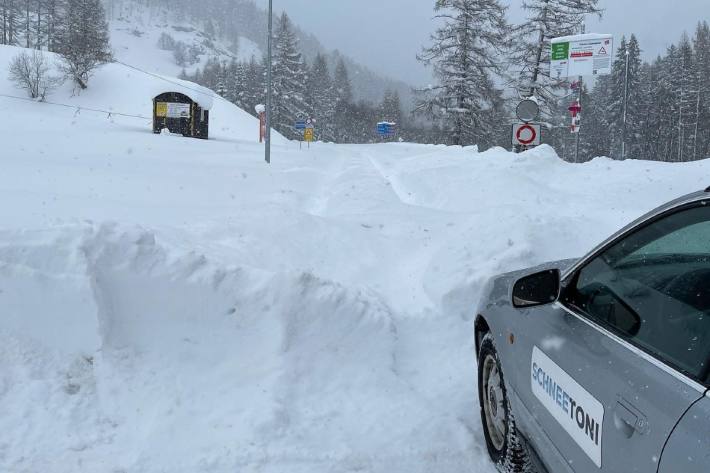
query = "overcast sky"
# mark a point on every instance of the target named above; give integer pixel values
(387, 35)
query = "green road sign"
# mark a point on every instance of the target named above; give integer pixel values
(560, 51)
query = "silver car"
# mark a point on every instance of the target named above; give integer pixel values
(602, 364)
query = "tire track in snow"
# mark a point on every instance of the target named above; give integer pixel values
(397, 186)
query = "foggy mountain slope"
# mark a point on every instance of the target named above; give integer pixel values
(224, 29)
(147, 36)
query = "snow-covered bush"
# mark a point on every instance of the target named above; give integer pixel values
(166, 42)
(33, 73)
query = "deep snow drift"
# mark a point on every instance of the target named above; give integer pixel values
(176, 305)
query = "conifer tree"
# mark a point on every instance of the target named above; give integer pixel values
(466, 98)
(289, 80)
(546, 19)
(687, 90)
(701, 45)
(344, 109)
(391, 108)
(255, 88)
(84, 40)
(10, 21)
(625, 98)
(321, 96)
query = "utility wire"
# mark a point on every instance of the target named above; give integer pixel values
(110, 112)
(78, 108)
(157, 76)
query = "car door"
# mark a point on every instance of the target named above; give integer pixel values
(688, 449)
(616, 363)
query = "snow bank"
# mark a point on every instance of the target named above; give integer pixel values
(171, 304)
(171, 362)
(121, 89)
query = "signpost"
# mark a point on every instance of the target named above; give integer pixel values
(576, 109)
(526, 134)
(308, 136)
(581, 55)
(386, 129)
(306, 129)
(527, 110)
(172, 110)
(261, 112)
(269, 85)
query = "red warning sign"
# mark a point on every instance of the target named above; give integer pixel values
(526, 134)
(602, 50)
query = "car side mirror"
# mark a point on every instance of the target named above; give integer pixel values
(537, 289)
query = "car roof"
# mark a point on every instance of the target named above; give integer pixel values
(686, 199)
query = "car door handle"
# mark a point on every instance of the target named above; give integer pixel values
(629, 419)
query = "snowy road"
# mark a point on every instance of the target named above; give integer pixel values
(177, 305)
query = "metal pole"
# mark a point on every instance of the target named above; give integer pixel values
(579, 101)
(268, 85)
(626, 105)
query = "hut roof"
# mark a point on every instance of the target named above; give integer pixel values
(202, 95)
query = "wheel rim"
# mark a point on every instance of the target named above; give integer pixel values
(493, 402)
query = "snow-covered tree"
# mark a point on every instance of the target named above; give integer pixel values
(546, 19)
(255, 89)
(84, 40)
(701, 45)
(618, 104)
(466, 98)
(222, 84)
(343, 103)
(52, 21)
(289, 80)
(321, 96)
(687, 88)
(391, 108)
(10, 21)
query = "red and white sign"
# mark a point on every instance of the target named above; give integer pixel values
(575, 109)
(526, 134)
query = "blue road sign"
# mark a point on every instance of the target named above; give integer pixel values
(386, 129)
(300, 125)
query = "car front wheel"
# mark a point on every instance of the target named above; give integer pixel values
(506, 447)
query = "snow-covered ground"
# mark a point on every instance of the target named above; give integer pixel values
(177, 305)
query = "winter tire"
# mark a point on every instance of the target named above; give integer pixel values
(506, 447)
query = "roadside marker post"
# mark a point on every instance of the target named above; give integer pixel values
(581, 55)
(308, 135)
(269, 84)
(527, 134)
(300, 127)
(261, 112)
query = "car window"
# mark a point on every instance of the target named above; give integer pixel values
(653, 289)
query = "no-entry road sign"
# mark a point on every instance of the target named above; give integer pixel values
(526, 134)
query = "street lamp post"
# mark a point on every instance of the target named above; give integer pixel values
(268, 86)
(626, 105)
